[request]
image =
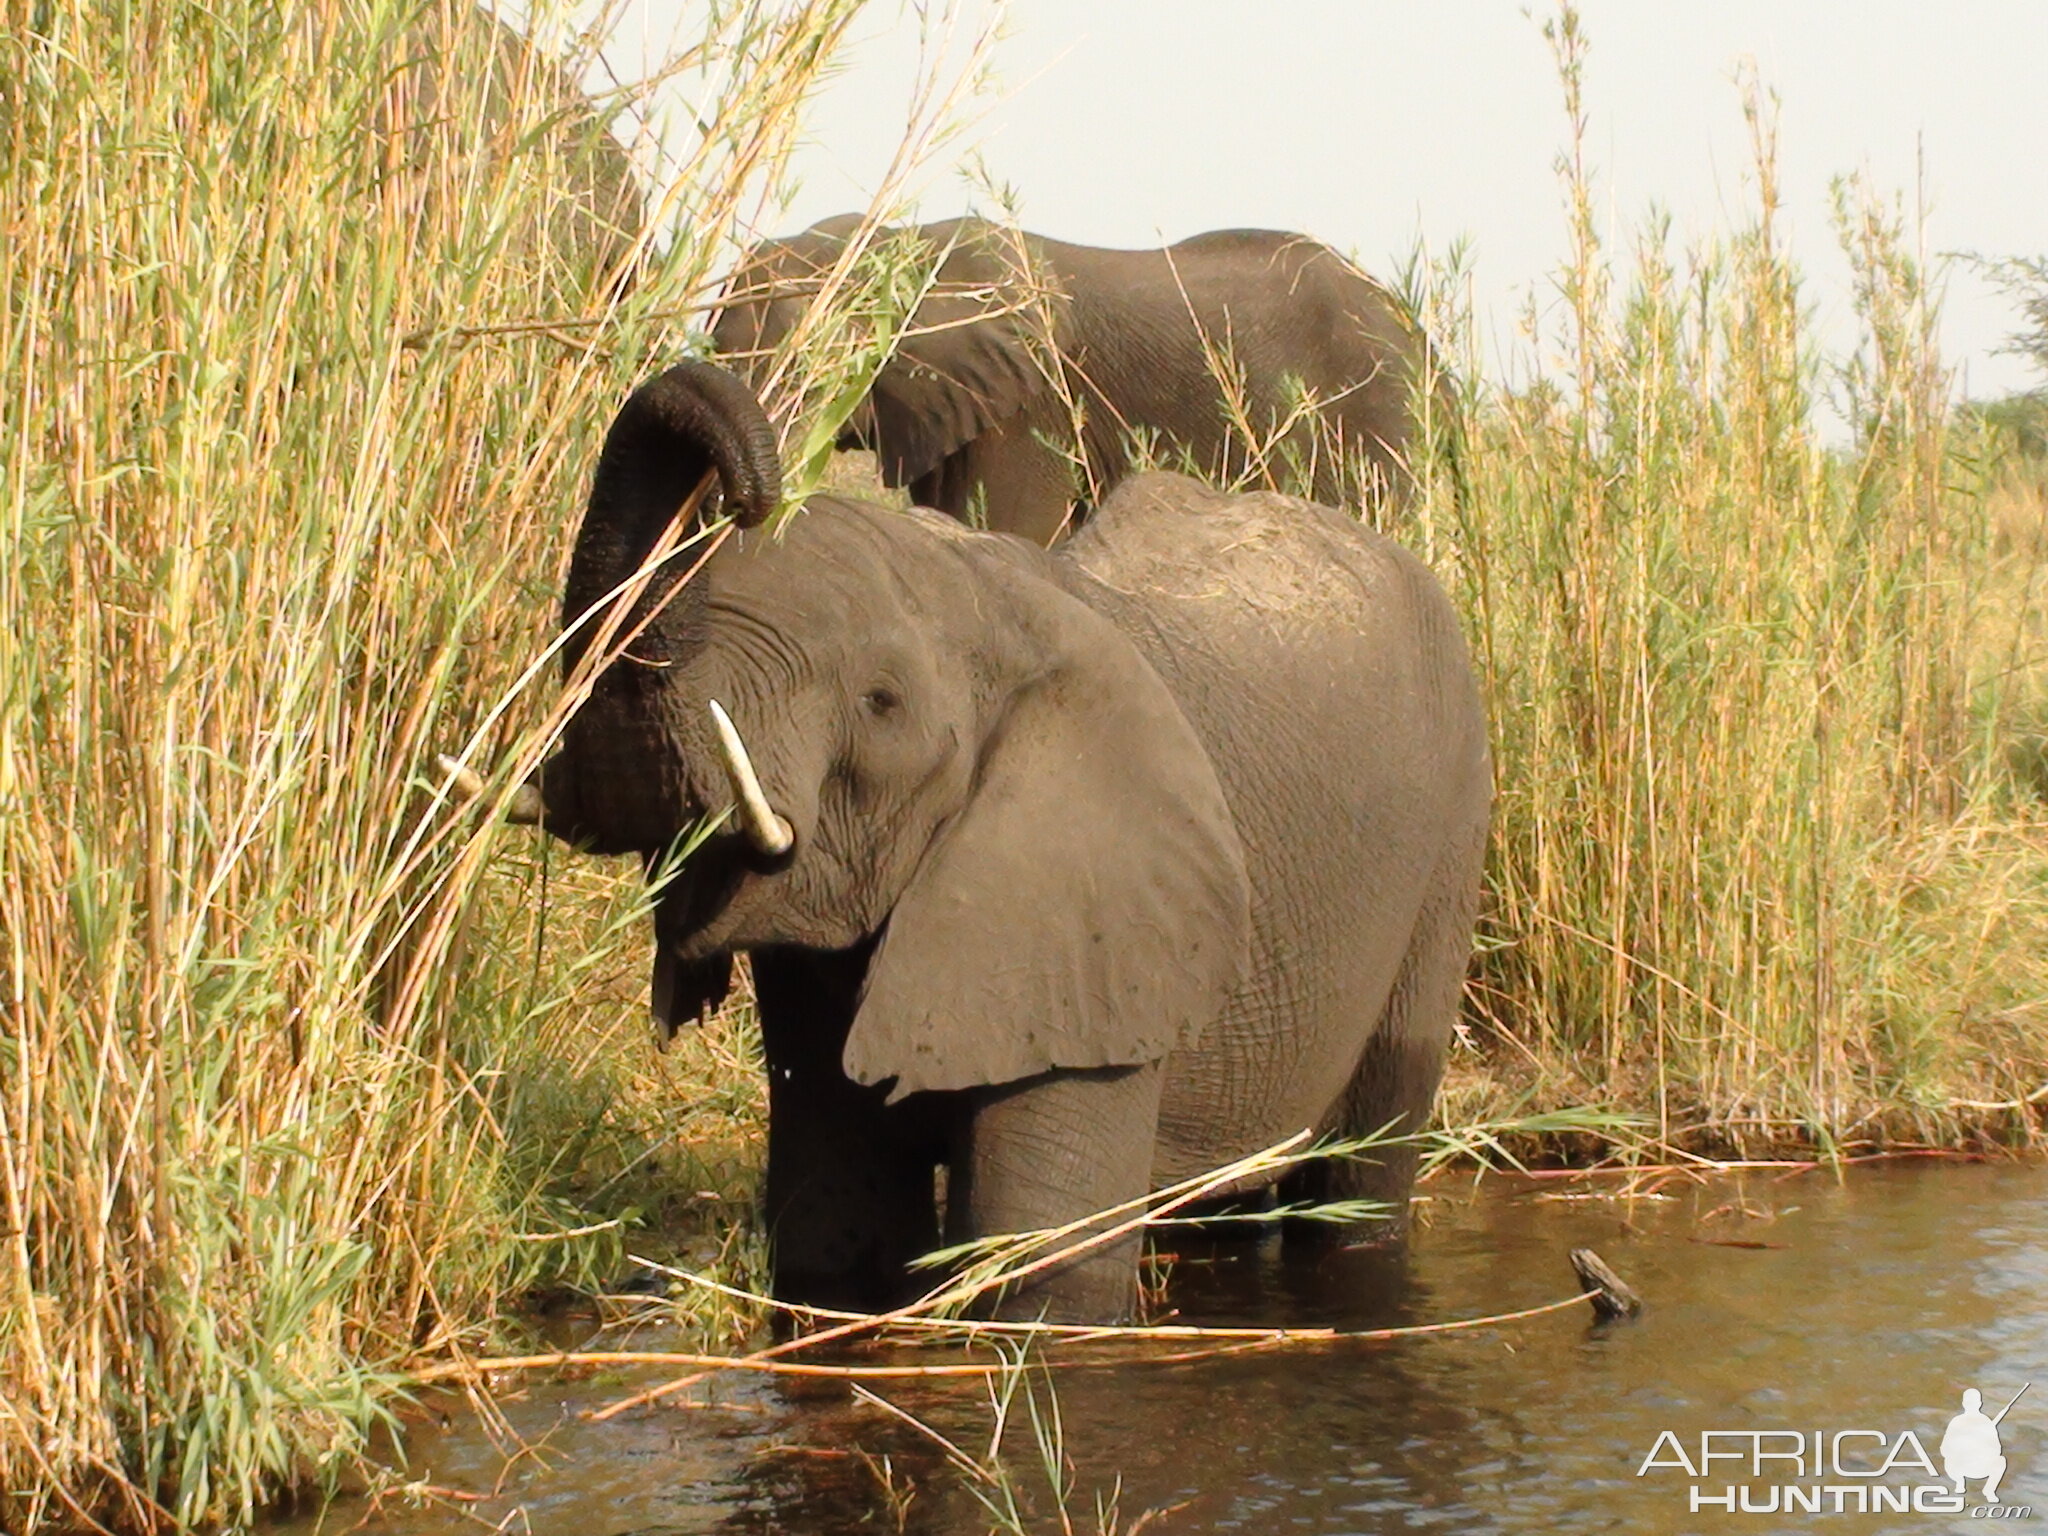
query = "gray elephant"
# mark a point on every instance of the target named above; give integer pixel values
(595, 208)
(1074, 872)
(1020, 334)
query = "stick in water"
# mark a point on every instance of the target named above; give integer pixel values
(1612, 1296)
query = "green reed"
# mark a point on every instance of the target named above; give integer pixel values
(1759, 867)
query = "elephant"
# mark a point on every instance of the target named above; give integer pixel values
(1071, 872)
(1020, 335)
(590, 233)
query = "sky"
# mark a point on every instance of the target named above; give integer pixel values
(1375, 124)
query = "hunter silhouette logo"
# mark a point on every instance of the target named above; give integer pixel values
(1969, 1446)
(1845, 1471)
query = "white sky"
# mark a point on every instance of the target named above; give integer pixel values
(1368, 123)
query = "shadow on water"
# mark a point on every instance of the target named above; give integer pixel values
(1777, 1302)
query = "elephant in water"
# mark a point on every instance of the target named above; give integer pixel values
(1076, 872)
(1021, 336)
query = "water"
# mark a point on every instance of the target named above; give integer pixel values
(1777, 1302)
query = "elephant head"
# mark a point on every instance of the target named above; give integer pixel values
(927, 743)
(981, 348)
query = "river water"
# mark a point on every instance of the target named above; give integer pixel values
(1781, 1305)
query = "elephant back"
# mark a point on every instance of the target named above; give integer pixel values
(1272, 595)
(980, 347)
(1243, 356)
(1257, 356)
(984, 345)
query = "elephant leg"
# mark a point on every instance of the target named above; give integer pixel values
(942, 488)
(1026, 485)
(1048, 1151)
(849, 1200)
(1007, 480)
(1393, 1087)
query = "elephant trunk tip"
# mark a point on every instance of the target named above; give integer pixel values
(716, 410)
(522, 809)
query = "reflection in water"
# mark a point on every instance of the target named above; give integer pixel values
(1776, 1303)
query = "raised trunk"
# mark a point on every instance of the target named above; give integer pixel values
(620, 783)
(675, 430)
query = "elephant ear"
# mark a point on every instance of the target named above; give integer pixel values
(979, 350)
(1087, 907)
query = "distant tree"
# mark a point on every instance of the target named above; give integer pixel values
(2021, 418)
(2025, 281)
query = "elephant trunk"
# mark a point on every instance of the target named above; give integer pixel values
(524, 807)
(619, 782)
(673, 431)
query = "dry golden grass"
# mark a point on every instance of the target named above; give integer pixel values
(1763, 868)
(303, 388)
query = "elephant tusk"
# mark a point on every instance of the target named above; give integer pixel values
(765, 830)
(522, 810)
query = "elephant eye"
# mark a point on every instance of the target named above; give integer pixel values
(881, 701)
